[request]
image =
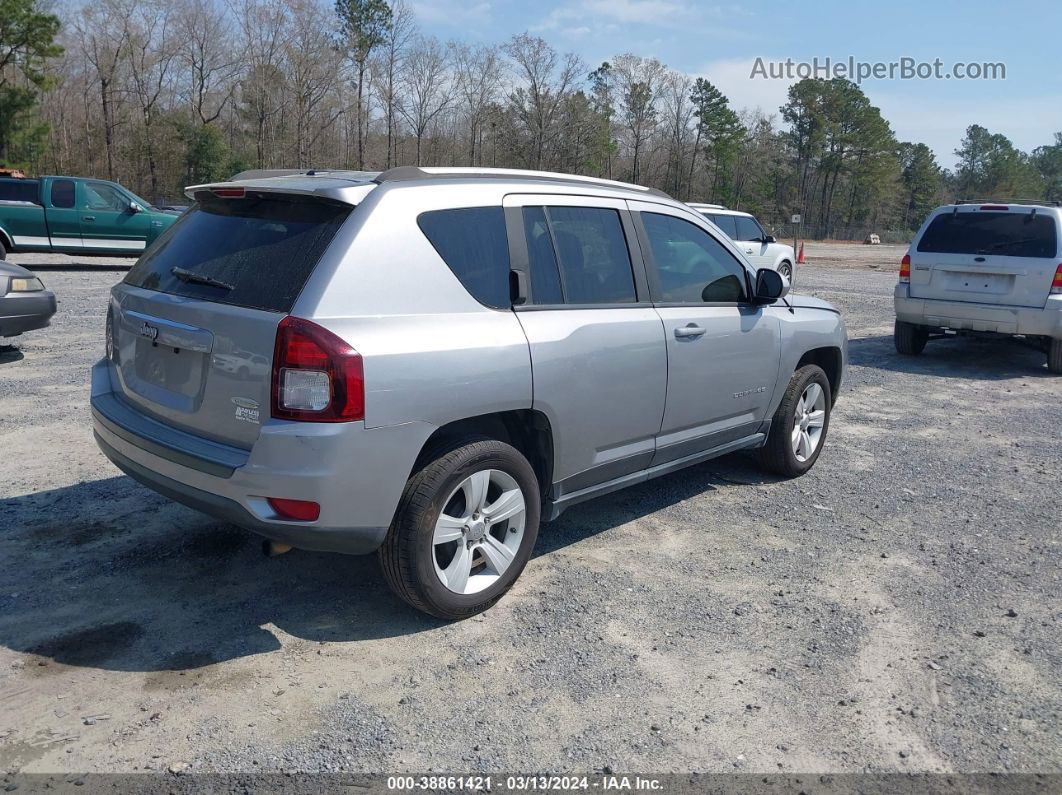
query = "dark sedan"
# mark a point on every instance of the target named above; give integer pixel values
(24, 303)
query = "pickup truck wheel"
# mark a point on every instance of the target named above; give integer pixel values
(910, 340)
(464, 529)
(799, 426)
(1054, 356)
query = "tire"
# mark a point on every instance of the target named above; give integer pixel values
(785, 267)
(414, 563)
(3, 251)
(910, 340)
(1054, 356)
(780, 455)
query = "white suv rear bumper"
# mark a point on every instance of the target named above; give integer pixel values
(1045, 321)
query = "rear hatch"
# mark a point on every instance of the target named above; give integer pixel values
(987, 254)
(194, 322)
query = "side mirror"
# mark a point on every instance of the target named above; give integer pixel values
(770, 286)
(769, 239)
(134, 207)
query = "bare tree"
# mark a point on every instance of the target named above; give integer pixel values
(638, 82)
(544, 78)
(478, 71)
(313, 69)
(204, 31)
(263, 28)
(152, 53)
(388, 65)
(363, 27)
(427, 88)
(102, 30)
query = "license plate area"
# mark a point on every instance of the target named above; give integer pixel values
(978, 283)
(168, 367)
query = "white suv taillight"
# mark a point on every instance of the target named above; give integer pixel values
(316, 376)
(1056, 284)
(905, 269)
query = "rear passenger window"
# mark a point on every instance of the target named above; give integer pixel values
(63, 193)
(472, 242)
(591, 250)
(726, 223)
(545, 276)
(689, 266)
(1007, 234)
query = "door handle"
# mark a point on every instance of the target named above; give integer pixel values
(689, 331)
(88, 218)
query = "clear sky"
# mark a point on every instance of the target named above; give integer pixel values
(722, 41)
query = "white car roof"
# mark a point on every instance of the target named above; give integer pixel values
(717, 209)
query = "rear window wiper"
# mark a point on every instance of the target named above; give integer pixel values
(1006, 243)
(190, 277)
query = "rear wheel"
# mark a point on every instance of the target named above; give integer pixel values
(910, 339)
(799, 426)
(3, 251)
(1054, 356)
(464, 529)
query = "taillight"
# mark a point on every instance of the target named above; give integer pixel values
(316, 376)
(905, 269)
(299, 510)
(1056, 283)
(229, 193)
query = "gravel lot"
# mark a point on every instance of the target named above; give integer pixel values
(897, 609)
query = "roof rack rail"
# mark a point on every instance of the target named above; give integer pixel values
(410, 173)
(266, 173)
(1040, 202)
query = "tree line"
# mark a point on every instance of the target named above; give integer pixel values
(158, 94)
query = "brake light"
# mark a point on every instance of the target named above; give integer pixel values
(316, 376)
(1056, 283)
(229, 193)
(1001, 207)
(905, 269)
(299, 510)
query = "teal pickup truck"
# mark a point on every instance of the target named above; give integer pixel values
(76, 216)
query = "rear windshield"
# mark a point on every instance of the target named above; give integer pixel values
(258, 251)
(1007, 234)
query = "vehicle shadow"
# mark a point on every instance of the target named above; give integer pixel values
(107, 574)
(953, 357)
(9, 354)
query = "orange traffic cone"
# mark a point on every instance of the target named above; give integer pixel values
(800, 256)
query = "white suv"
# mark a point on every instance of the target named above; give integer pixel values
(761, 249)
(983, 269)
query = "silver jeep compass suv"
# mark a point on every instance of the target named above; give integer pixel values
(426, 362)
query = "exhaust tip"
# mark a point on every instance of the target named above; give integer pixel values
(273, 549)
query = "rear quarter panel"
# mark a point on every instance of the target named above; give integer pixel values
(431, 352)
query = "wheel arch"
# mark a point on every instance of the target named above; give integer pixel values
(528, 430)
(829, 358)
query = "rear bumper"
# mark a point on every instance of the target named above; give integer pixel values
(355, 474)
(1043, 321)
(25, 312)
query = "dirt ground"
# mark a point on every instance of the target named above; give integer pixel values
(897, 609)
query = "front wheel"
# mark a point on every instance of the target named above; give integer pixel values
(3, 251)
(799, 426)
(909, 339)
(786, 269)
(464, 529)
